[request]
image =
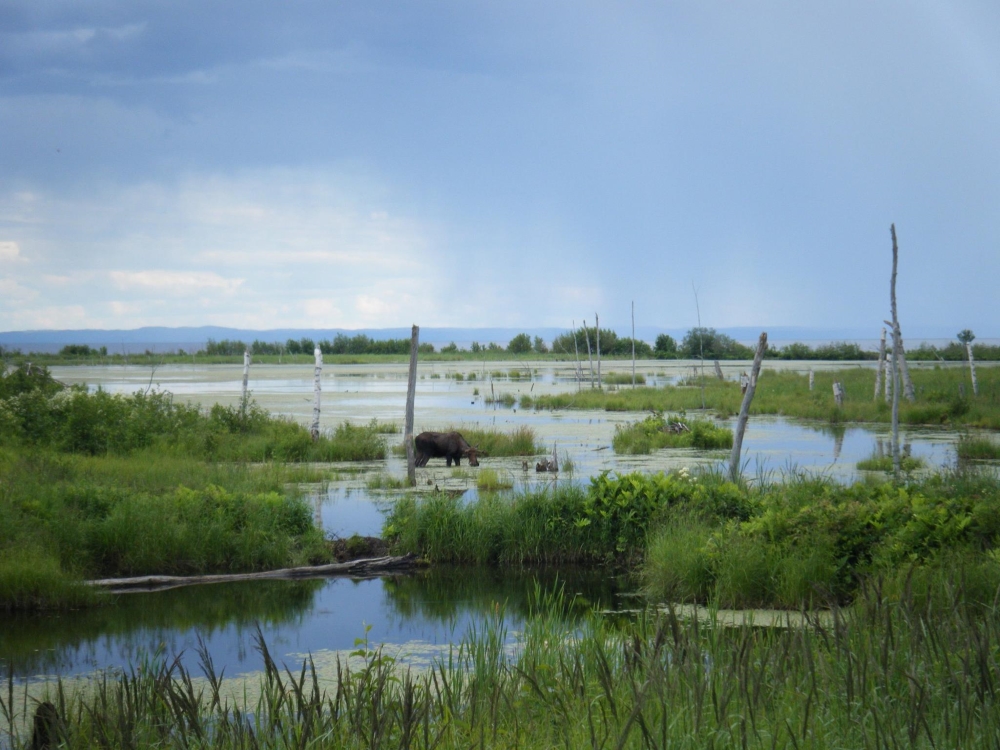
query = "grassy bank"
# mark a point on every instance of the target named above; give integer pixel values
(944, 397)
(64, 518)
(887, 673)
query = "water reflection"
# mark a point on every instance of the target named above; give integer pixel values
(435, 607)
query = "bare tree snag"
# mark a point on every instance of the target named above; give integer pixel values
(597, 336)
(246, 380)
(812, 378)
(317, 373)
(411, 392)
(895, 399)
(880, 372)
(897, 337)
(590, 356)
(633, 343)
(718, 370)
(741, 422)
(972, 368)
(576, 355)
(838, 393)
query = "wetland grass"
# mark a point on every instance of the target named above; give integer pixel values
(64, 518)
(876, 462)
(973, 448)
(491, 480)
(941, 398)
(655, 432)
(888, 672)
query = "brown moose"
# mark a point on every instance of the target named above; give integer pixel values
(450, 446)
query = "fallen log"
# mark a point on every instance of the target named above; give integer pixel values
(363, 568)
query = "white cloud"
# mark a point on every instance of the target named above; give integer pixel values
(174, 282)
(10, 251)
(12, 291)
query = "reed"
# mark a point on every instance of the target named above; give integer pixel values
(885, 673)
(972, 448)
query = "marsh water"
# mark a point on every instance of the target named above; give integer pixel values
(418, 616)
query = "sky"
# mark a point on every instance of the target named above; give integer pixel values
(377, 164)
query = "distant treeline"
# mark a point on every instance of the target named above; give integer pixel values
(697, 343)
(341, 344)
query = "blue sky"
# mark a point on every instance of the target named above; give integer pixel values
(369, 164)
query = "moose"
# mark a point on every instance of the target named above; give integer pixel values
(447, 445)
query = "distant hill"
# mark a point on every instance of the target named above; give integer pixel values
(164, 339)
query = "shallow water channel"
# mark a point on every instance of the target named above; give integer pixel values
(415, 616)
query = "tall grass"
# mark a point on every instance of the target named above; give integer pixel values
(886, 673)
(973, 448)
(812, 541)
(66, 517)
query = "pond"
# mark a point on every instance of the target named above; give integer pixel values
(416, 616)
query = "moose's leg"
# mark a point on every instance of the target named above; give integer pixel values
(448, 460)
(421, 459)
(458, 460)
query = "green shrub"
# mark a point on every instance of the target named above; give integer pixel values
(655, 432)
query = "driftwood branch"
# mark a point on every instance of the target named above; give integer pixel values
(367, 567)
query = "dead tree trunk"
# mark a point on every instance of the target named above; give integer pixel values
(590, 356)
(812, 378)
(895, 400)
(718, 370)
(838, 394)
(741, 422)
(317, 373)
(576, 355)
(246, 380)
(880, 372)
(597, 337)
(972, 368)
(411, 392)
(633, 343)
(897, 335)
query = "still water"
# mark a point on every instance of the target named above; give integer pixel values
(414, 616)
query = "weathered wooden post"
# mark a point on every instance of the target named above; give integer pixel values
(812, 379)
(718, 370)
(838, 393)
(317, 373)
(741, 422)
(246, 380)
(880, 372)
(897, 336)
(411, 392)
(597, 336)
(555, 456)
(633, 343)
